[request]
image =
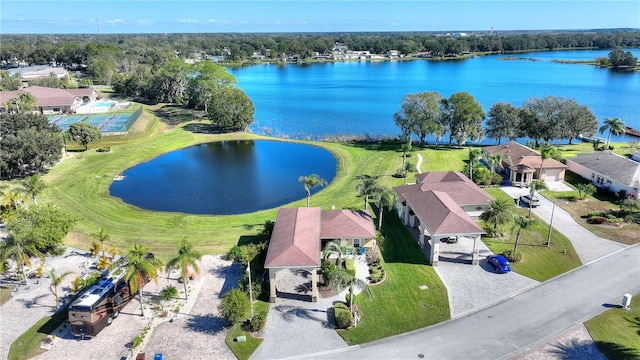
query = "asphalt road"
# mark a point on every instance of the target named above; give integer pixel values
(517, 324)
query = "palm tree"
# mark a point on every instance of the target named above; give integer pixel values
(335, 248)
(546, 152)
(520, 223)
(409, 168)
(386, 199)
(367, 187)
(341, 278)
(406, 150)
(102, 237)
(14, 199)
(21, 249)
(498, 213)
(186, 256)
(56, 280)
(615, 127)
(585, 190)
(494, 160)
(33, 185)
(474, 154)
(536, 185)
(141, 266)
(311, 181)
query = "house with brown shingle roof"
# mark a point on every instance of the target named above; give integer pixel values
(51, 100)
(442, 205)
(522, 164)
(299, 234)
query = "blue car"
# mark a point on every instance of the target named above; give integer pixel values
(499, 263)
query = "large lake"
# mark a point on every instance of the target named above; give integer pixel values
(223, 178)
(360, 97)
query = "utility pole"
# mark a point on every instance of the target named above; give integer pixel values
(97, 26)
(551, 223)
(250, 286)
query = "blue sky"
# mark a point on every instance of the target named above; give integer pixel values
(118, 16)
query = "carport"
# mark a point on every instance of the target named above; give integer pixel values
(295, 244)
(437, 217)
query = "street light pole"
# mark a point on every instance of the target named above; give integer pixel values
(250, 286)
(551, 223)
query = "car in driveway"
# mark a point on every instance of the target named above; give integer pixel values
(499, 263)
(530, 201)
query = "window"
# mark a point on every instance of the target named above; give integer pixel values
(356, 243)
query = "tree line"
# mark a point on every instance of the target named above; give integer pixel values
(461, 116)
(128, 50)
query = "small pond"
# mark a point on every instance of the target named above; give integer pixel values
(224, 178)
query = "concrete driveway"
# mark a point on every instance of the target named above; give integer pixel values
(295, 325)
(473, 287)
(588, 246)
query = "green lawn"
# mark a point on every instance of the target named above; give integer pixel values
(5, 293)
(540, 262)
(398, 304)
(243, 350)
(27, 345)
(616, 332)
(80, 185)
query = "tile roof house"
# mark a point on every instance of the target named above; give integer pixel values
(607, 170)
(52, 100)
(299, 233)
(442, 205)
(522, 164)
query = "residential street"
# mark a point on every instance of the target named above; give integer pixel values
(519, 323)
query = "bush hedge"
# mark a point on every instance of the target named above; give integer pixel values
(343, 316)
(350, 265)
(513, 256)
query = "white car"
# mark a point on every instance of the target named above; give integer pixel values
(533, 202)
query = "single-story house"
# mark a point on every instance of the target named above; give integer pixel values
(442, 205)
(607, 170)
(299, 234)
(523, 164)
(52, 100)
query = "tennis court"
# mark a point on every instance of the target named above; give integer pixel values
(113, 123)
(64, 121)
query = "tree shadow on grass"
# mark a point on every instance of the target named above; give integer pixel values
(172, 114)
(616, 351)
(201, 128)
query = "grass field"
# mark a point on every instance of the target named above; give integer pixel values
(80, 185)
(398, 304)
(616, 332)
(540, 262)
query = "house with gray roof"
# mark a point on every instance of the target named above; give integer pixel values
(607, 170)
(300, 233)
(443, 205)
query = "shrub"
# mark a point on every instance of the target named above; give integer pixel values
(350, 265)
(258, 321)
(513, 256)
(343, 316)
(234, 306)
(597, 220)
(136, 342)
(595, 213)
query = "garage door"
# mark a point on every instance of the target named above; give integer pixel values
(552, 175)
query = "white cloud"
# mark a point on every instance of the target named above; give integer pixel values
(190, 21)
(144, 22)
(114, 21)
